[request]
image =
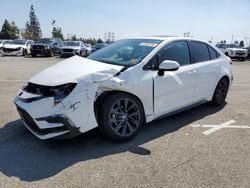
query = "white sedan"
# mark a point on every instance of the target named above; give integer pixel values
(17, 47)
(122, 86)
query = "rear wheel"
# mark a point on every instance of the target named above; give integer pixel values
(220, 92)
(121, 116)
(33, 54)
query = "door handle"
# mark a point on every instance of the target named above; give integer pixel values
(192, 72)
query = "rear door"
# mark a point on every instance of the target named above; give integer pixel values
(206, 63)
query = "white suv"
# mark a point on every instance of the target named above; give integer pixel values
(233, 51)
(123, 86)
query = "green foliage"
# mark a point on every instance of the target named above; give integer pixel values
(57, 33)
(9, 30)
(32, 27)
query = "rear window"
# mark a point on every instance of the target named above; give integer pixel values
(199, 52)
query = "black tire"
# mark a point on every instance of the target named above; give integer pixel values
(51, 54)
(120, 116)
(33, 55)
(220, 92)
(243, 59)
(24, 52)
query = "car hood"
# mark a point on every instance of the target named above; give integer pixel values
(71, 69)
(70, 47)
(13, 46)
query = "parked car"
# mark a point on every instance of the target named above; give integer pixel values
(71, 48)
(17, 47)
(233, 51)
(98, 46)
(123, 86)
(46, 47)
(89, 48)
(3, 42)
(248, 49)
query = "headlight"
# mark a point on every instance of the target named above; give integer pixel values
(57, 92)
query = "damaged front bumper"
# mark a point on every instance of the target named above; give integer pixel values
(47, 126)
(47, 119)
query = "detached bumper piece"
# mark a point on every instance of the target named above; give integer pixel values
(67, 124)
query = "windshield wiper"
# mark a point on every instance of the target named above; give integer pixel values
(125, 67)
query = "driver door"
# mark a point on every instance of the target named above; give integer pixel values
(174, 89)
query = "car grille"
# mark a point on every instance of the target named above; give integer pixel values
(240, 53)
(67, 50)
(8, 50)
(38, 47)
(33, 126)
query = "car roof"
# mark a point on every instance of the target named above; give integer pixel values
(167, 38)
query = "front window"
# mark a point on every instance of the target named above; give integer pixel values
(45, 41)
(72, 43)
(18, 42)
(126, 52)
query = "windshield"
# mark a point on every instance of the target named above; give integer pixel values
(127, 52)
(18, 42)
(233, 46)
(44, 41)
(72, 43)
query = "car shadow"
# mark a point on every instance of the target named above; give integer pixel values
(24, 156)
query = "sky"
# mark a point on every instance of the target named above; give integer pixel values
(204, 19)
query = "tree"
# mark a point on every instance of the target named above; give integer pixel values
(9, 30)
(73, 37)
(241, 43)
(99, 41)
(32, 27)
(57, 32)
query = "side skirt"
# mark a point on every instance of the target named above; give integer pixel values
(181, 110)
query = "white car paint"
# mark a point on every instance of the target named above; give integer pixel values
(159, 95)
(4, 42)
(17, 49)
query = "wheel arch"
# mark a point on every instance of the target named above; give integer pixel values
(100, 98)
(221, 77)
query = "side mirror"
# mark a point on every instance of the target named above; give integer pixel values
(168, 65)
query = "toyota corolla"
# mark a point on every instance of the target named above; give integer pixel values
(123, 86)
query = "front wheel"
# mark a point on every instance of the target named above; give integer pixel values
(220, 92)
(120, 116)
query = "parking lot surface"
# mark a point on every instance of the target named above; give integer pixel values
(202, 147)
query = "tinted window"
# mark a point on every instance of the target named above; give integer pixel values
(222, 46)
(199, 52)
(213, 53)
(177, 51)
